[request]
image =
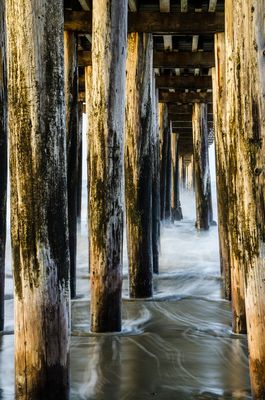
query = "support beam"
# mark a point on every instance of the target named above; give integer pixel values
(154, 22)
(138, 164)
(155, 180)
(212, 5)
(174, 59)
(164, 6)
(39, 227)
(191, 97)
(133, 4)
(106, 162)
(168, 179)
(71, 105)
(221, 148)
(3, 158)
(236, 187)
(186, 108)
(184, 5)
(164, 142)
(79, 160)
(246, 109)
(88, 94)
(201, 165)
(175, 200)
(184, 82)
(167, 59)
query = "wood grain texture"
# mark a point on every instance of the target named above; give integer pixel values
(39, 226)
(3, 157)
(221, 143)
(106, 143)
(139, 164)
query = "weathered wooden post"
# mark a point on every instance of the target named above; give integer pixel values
(246, 25)
(234, 174)
(155, 180)
(138, 163)
(164, 143)
(3, 157)
(88, 91)
(202, 171)
(79, 159)
(106, 141)
(175, 200)
(39, 225)
(221, 142)
(168, 178)
(71, 102)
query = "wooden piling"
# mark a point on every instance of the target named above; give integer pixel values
(39, 225)
(71, 103)
(202, 171)
(3, 158)
(164, 143)
(79, 160)
(175, 199)
(138, 164)
(168, 179)
(221, 143)
(106, 162)
(155, 180)
(245, 24)
(235, 173)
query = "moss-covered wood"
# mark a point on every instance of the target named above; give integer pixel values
(235, 177)
(175, 200)
(164, 145)
(246, 110)
(139, 164)
(3, 157)
(79, 159)
(221, 143)
(106, 141)
(71, 103)
(155, 180)
(39, 225)
(168, 178)
(201, 166)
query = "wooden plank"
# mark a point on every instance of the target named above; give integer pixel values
(132, 4)
(185, 109)
(86, 4)
(184, 82)
(186, 118)
(155, 22)
(183, 59)
(184, 5)
(164, 6)
(178, 97)
(212, 5)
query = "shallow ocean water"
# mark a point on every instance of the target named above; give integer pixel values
(179, 345)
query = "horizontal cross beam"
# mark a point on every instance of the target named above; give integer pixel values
(184, 98)
(166, 59)
(154, 22)
(185, 109)
(175, 118)
(184, 82)
(173, 59)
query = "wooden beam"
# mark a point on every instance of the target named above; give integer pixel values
(133, 5)
(184, 5)
(185, 109)
(183, 59)
(184, 82)
(154, 22)
(177, 97)
(86, 4)
(164, 6)
(212, 5)
(180, 118)
(85, 58)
